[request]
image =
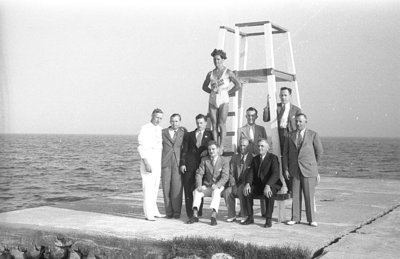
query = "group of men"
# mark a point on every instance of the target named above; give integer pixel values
(191, 163)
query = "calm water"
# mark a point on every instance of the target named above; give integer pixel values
(40, 170)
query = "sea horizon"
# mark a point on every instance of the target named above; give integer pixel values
(123, 134)
(45, 169)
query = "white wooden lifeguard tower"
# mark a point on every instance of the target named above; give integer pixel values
(267, 74)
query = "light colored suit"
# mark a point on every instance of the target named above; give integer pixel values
(150, 146)
(208, 174)
(302, 164)
(259, 133)
(237, 176)
(171, 177)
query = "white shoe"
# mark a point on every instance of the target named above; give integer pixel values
(160, 216)
(292, 222)
(313, 224)
(231, 219)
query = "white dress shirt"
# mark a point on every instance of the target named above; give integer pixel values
(150, 140)
(285, 115)
(172, 132)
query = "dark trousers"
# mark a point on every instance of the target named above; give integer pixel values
(189, 184)
(257, 191)
(283, 133)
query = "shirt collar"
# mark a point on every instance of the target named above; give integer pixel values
(302, 132)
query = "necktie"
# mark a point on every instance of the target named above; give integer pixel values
(214, 161)
(251, 133)
(174, 136)
(241, 165)
(299, 140)
(259, 168)
(199, 137)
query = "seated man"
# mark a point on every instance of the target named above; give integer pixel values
(211, 177)
(262, 178)
(237, 172)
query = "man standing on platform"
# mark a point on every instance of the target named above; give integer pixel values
(301, 154)
(252, 131)
(194, 148)
(150, 146)
(286, 119)
(171, 178)
(238, 166)
(262, 179)
(211, 177)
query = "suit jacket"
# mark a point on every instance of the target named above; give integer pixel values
(207, 174)
(269, 171)
(259, 133)
(172, 148)
(191, 155)
(294, 110)
(306, 158)
(237, 172)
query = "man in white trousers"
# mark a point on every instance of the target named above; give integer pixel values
(150, 147)
(211, 177)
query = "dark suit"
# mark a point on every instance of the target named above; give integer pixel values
(302, 164)
(258, 176)
(171, 177)
(283, 132)
(259, 133)
(190, 157)
(237, 177)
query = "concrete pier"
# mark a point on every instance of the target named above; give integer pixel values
(358, 218)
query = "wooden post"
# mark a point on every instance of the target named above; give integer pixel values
(240, 93)
(271, 80)
(292, 70)
(235, 104)
(221, 38)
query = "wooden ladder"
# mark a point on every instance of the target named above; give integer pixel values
(268, 74)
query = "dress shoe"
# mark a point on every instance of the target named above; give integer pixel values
(248, 221)
(268, 223)
(192, 220)
(233, 219)
(313, 224)
(177, 216)
(292, 222)
(169, 217)
(150, 219)
(213, 221)
(160, 216)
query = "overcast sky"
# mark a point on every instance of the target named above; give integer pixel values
(101, 67)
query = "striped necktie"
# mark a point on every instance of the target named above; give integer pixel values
(299, 140)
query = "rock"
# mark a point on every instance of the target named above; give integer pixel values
(221, 256)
